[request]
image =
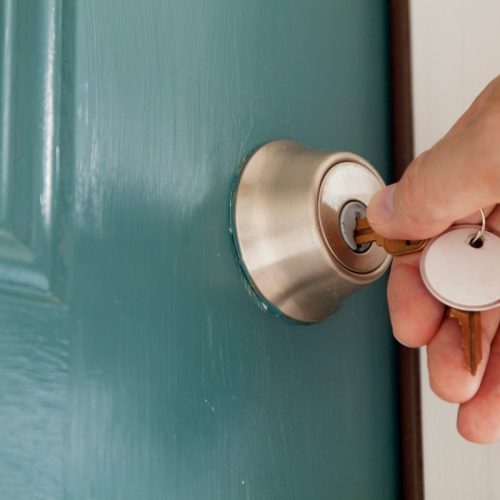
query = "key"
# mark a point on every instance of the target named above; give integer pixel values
(470, 322)
(365, 234)
(461, 278)
(465, 277)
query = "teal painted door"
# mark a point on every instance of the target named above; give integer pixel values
(134, 363)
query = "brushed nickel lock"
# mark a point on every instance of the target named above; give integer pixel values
(294, 214)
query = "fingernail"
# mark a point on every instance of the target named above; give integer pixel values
(381, 205)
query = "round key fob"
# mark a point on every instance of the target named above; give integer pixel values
(461, 275)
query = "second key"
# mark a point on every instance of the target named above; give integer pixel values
(464, 273)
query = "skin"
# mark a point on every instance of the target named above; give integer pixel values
(446, 185)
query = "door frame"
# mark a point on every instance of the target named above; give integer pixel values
(412, 481)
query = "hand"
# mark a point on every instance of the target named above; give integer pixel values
(445, 185)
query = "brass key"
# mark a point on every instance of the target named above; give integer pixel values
(457, 267)
(470, 322)
(365, 234)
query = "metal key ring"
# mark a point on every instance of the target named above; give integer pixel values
(483, 228)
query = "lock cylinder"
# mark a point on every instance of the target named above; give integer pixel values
(294, 214)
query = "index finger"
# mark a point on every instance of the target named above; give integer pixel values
(415, 314)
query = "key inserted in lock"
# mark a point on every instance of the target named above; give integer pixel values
(293, 216)
(352, 212)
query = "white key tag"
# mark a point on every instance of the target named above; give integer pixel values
(461, 275)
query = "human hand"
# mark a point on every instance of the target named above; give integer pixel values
(445, 185)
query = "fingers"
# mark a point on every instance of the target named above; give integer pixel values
(452, 180)
(448, 183)
(415, 314)
(479, 418)
(448, 375)
(417, 319)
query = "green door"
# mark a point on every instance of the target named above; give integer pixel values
(134, 363)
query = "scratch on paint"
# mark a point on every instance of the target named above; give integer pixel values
(209, 405)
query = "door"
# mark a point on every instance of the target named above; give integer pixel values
(134, 363)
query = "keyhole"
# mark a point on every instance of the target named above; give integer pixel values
(351, 212)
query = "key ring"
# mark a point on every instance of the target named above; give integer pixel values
(481, 231)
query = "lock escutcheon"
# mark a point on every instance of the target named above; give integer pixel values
(288, 228)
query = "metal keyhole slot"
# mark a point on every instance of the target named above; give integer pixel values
(351, 212)
(294, 210)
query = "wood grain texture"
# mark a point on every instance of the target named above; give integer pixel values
(174, 384)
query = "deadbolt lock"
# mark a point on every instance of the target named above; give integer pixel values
(294, 213)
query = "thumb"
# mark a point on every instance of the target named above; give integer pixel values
(452, 180)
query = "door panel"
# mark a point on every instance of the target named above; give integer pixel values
(153, 374)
